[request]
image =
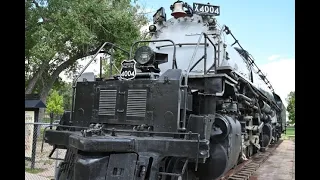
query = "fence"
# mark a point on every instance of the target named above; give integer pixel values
(38, 166)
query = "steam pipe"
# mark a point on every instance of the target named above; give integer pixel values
(259, 111)
(205, 56)
(218, 59)
(195, 64)
(248, 101)
(253, 106)
(265, 107)
(215, 56)
(260, 126)
(244, 97)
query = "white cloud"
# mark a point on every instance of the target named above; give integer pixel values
(281, 74)
(274, 57)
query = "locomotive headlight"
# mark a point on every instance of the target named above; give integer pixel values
(152, 28)
(144, 55)
(144, 58)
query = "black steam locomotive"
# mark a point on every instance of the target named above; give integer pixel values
(187, 106)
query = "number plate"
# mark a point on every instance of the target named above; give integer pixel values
(206, 9)
(128, 69)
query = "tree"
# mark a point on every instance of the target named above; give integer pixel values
(291, 106)
(66, 92)
(55, 103)
(58, 33)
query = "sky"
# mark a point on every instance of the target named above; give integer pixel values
(266, 29)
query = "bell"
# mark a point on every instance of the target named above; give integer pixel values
(178, 11)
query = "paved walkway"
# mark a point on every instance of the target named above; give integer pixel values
(280, 165)
(29, 176)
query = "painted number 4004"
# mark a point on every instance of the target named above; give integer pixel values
(128, 74)
(206, 8)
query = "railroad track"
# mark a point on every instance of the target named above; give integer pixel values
(246, 169)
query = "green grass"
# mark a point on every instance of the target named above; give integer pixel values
(40, 137)
(289, 135)
(46, 120)
(34, 171)
(290, 131)
(41, 132)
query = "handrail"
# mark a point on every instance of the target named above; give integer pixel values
(204, 57)
(95, 55)
(81, 72)
(174, 63)
(193, 55)
(250, 59)
(215, 55)
(184, 114)
(181, 44)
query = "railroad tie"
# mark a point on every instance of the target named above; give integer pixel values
(246, 171)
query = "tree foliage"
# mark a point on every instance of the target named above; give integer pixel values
(291, 106)
(66, 92)
(59, 32)
(55, 103)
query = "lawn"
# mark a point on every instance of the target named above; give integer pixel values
(290, 131)
(34, 171)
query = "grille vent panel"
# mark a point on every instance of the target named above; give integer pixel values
(107, 102)
(136, 103)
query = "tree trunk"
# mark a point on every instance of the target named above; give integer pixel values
(59, 69)
(32, 83)
(56, 73)
(48, 86)
(41, 110)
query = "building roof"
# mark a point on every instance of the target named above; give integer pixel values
(34, 104)
(33, 101)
